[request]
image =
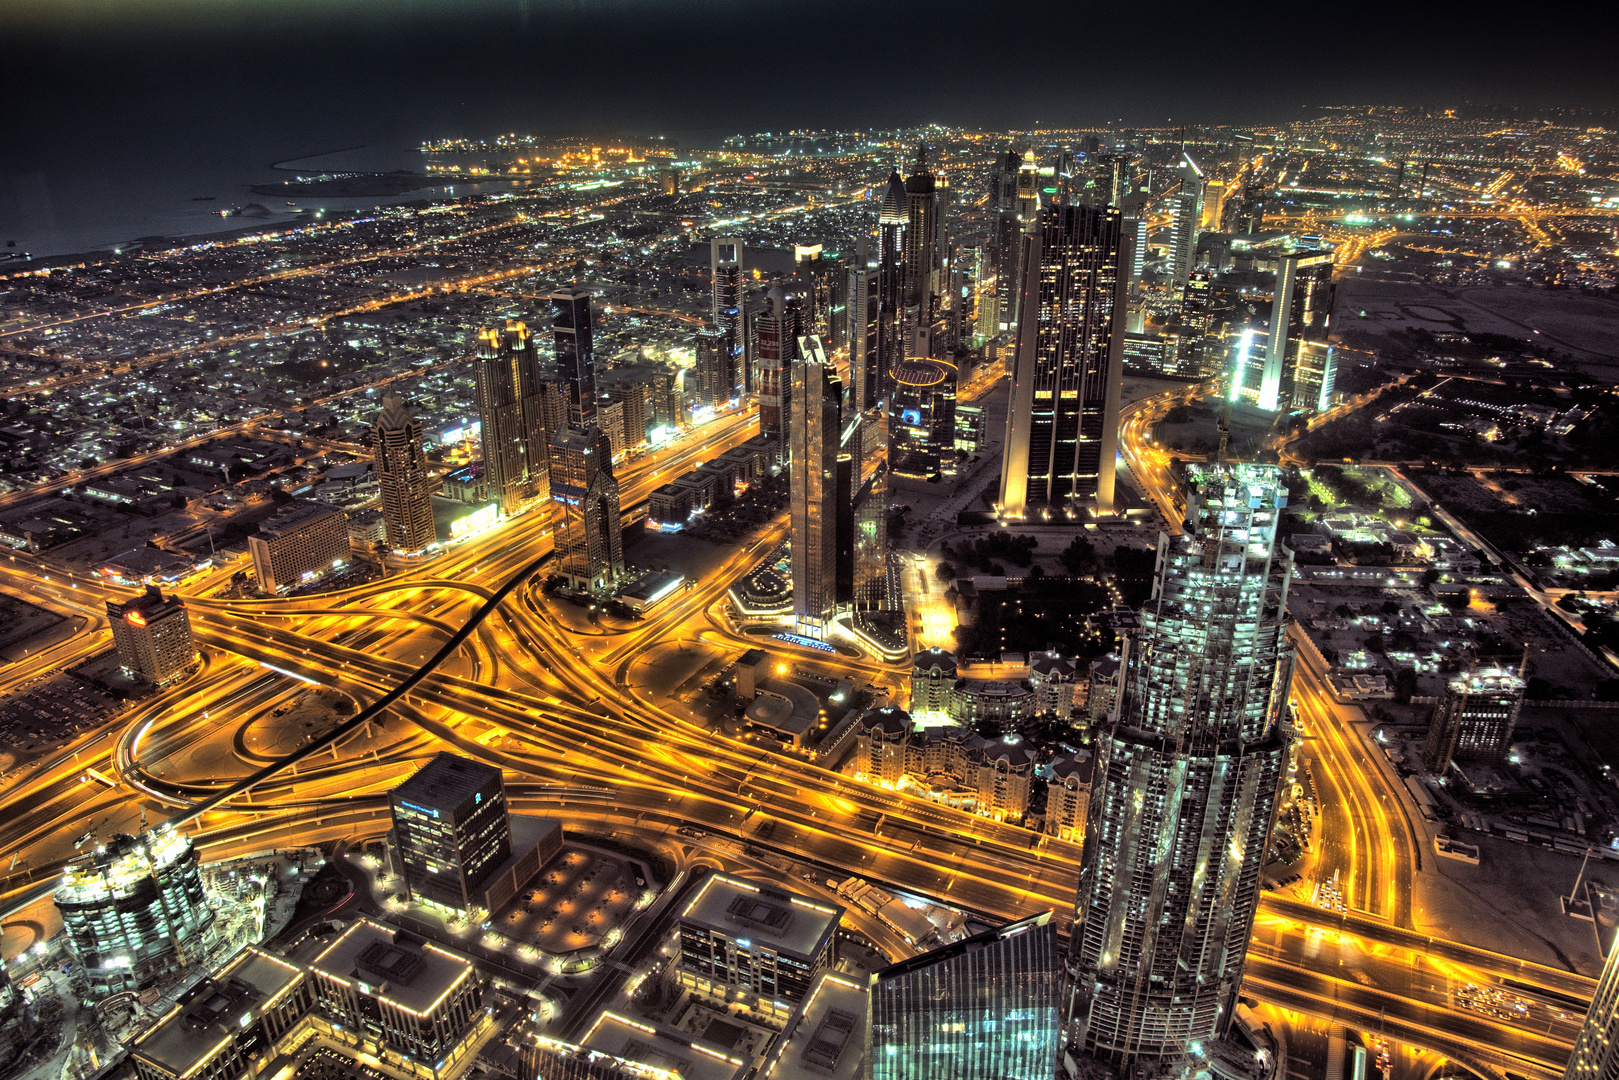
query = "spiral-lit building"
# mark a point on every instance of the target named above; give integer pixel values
(135, 910)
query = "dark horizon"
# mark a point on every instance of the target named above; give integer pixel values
(273, 80)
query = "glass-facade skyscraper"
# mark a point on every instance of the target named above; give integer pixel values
(986, 1006)
(575, 352)
(1062, 426)
(511, 412)
(1186, 783)
(814, 439)
(407, 499)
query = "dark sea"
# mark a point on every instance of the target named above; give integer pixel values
(97, 202)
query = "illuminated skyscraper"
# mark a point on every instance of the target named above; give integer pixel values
(870, 511)
(1062, 426)
(1474, 720)
(590, 545)
(920, 256)
(725, 259)
(813, 440)
(718, 367)
(575, 354)
(862, 318)
(1299, 365)
(1186, 212)
(891, 248)
(407, 500)
(1187, 778)
(985, 1006)
(776, 331)
(514, 434)
(922, 420)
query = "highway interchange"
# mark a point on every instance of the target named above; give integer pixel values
(555, 710)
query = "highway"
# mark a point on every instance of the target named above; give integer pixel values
(554, 710)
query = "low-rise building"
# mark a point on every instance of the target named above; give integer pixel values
(760, 946)
(227, 1026)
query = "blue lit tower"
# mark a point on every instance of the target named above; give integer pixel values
(1187, 777)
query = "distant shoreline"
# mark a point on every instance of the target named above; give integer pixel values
(286, 164)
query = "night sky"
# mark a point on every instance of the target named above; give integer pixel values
(278, 77)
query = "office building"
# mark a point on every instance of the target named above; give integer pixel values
(1062, 425)
(827, 288)
(513, 416)
(776, 331)
(230, 1025)
(616, 1047)
(402, 473)
(153, 636)
(450, 830)
(575, 353)
(413, 1004)
(1298, 367)
(754, 944)
(985, 1006)
(1186, 214)
(870, 513)
(590, 545)
(1184, 795)
(1474, 720)
(922, 420)
(814, 440)
(298, 545)
(134, 911)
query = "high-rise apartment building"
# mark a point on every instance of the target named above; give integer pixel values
(589, 546)
(1474, 720)
(1299, 366)
(513, 414)
(300, 543)
(407, 497)
(814, 441)
(826, 287)
(134, 910)
(1189, 766)
(153, 636)
(985, 1006)
(718, 367)
(450, 829)
(725, 260)
(1062, 426)
(776, 331)
(575, 352)
(922, 420)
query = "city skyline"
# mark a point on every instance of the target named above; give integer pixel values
(921, 603)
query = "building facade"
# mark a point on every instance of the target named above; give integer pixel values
(402, 473)
(575, 352)
(1186, 784)
(301, 543)
(776, 333)
(986, 1006)
(1062, 425)
(153, 636)
(1299, 368)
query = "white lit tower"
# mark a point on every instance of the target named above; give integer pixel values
(1189, 767)
(1186, 212)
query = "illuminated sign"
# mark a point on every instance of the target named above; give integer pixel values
(135, 618)
(807, 642)
(911, 416)
(419, 809)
